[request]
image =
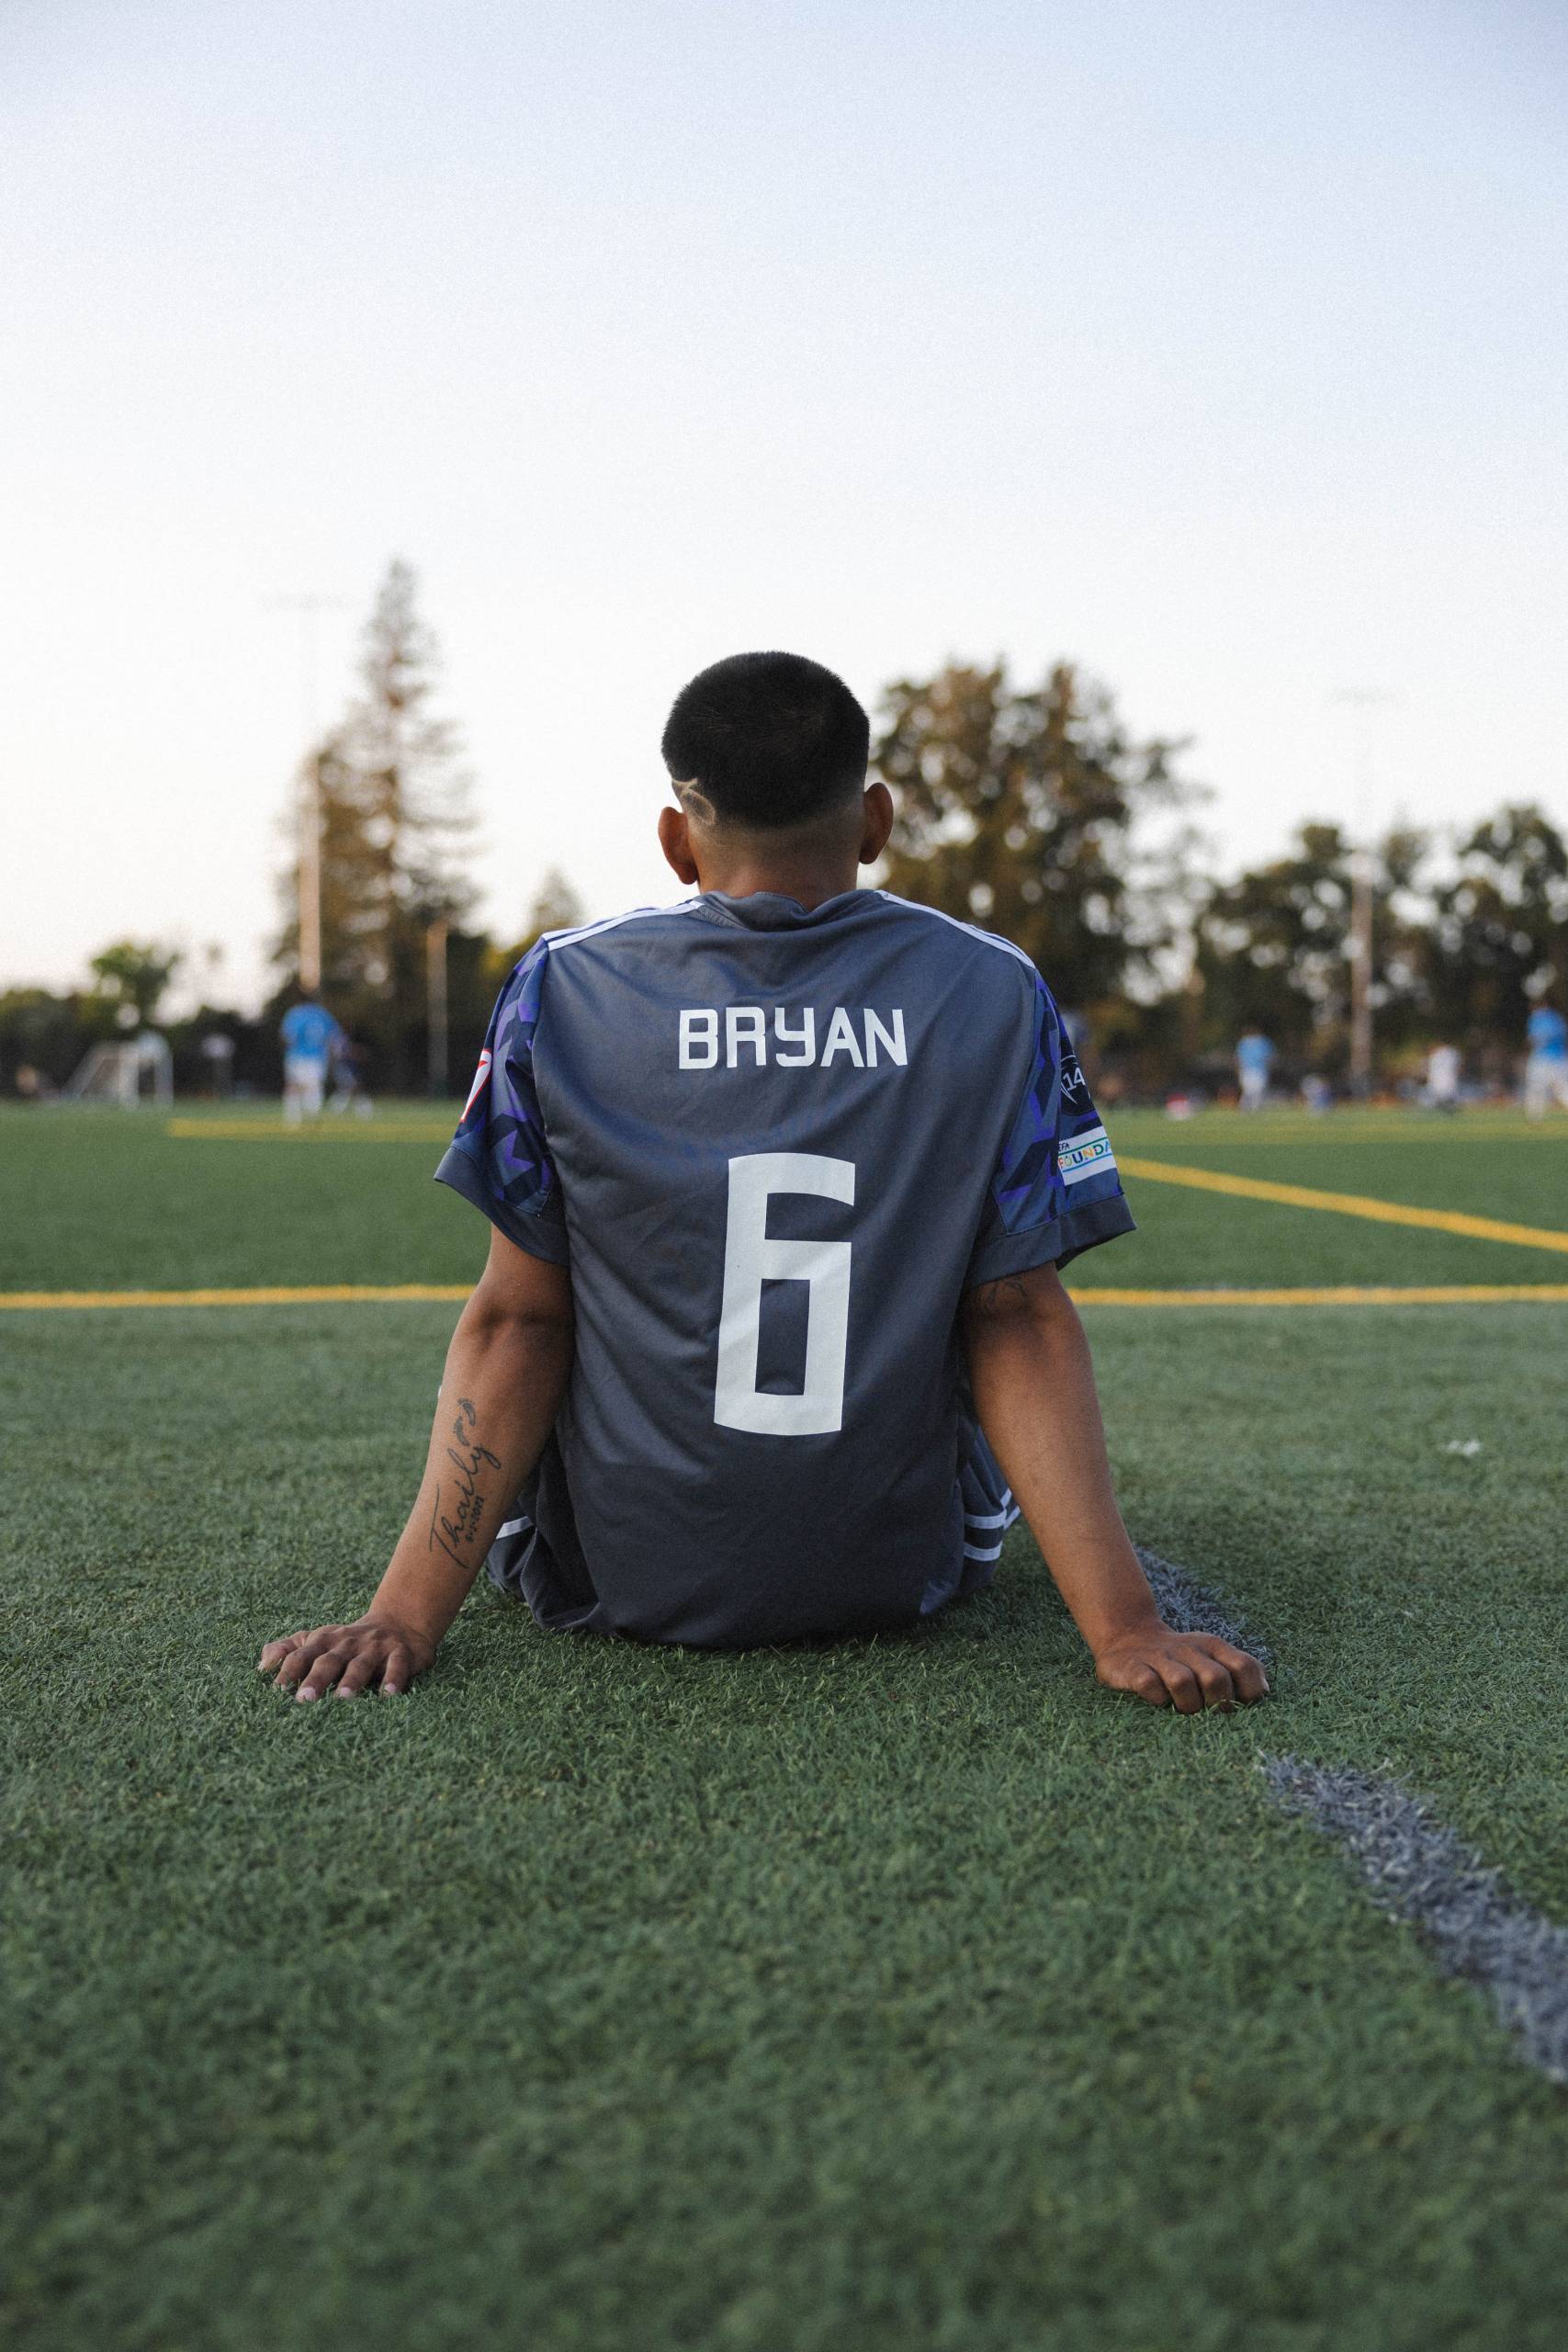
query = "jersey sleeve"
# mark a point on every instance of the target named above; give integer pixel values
(500, 1158)
(1054, 1190)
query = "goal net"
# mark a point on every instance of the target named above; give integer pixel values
(141, 1070)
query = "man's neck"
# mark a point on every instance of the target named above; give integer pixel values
(808, 882)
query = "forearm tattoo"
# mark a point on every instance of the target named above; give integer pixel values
(1004, 1296)
(455, 1530)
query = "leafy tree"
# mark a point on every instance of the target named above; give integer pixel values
(133, 976)
(1272, 947)
(556, 907)
(1500, 922)
(1028, 813)
(48, 1032)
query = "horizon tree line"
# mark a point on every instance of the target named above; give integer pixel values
(1030, 810)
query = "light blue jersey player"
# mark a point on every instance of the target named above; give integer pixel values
(1254, 1061)
(309, 1036)
(772, 1341)
(1546, 1061)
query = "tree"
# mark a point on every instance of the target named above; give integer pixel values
(1499, 926)
(133, 976)
(1272, 947)
(1029, 813)
(410, 788)
(394, 817)
(556, 907)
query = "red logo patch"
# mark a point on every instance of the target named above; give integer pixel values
(478, 1087)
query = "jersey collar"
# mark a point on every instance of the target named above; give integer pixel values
(771, 911)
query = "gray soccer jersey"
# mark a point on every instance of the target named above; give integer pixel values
(775, 1146)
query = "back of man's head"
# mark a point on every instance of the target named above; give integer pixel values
(767, 741)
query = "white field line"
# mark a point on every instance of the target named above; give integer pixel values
(1413, 1868)
(1416, 1870)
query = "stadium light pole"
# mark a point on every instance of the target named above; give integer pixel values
(1364, 700)
(435, 998)
(309, 607)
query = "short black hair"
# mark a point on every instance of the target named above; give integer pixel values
(767, 738)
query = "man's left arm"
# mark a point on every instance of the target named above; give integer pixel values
(506, 1373)
(1034, 1393)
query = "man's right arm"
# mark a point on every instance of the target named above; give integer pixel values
(1034, 1393)
(506, 1373)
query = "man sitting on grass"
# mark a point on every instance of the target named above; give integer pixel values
(781, 1177)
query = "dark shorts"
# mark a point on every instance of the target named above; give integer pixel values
(538, 1556)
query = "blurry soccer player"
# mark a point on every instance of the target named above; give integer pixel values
(346, 1067)
(1254, 1060)
(771, 1340)
(1546, 1061)
(1445, 1066)
(309, 1035)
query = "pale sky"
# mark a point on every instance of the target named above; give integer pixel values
(1223, 348)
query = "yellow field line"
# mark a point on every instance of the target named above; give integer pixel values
(253, 1131)
(319, 1295)
(1344, 1294)
(1333, 1138)
(450, 1294)
(1302, 1197)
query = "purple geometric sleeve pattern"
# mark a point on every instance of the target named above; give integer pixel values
(1054, 1191)
(500, 1157)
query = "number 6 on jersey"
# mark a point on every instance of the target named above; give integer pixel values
(751, 1259)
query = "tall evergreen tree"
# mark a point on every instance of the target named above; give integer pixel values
(393, 805)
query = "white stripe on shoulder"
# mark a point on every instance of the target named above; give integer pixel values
(554, 939)
(991, 938)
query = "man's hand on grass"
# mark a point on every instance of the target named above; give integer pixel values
(1186, 1671)
(373, 1653)
(506, 1373)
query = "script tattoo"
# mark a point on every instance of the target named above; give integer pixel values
(459, 1523)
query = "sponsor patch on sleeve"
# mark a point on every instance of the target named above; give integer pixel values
(479, 1077)
(1086, 1154)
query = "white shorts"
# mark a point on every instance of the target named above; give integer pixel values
(306, 1076)
(1546, 1080)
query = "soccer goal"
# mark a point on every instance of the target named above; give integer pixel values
(141, 1070)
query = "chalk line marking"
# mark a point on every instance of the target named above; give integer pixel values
(1303, 1196)
(1184, 1604)
(321, 1294)
(400, 1294)
(1226, 1130)
(1331, 1295)
(253, 1131)
(1461, 1909)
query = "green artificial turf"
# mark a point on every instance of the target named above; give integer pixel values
(906, 1993)
(104, 1199)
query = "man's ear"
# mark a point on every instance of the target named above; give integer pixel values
(877, 823)
(674, 840)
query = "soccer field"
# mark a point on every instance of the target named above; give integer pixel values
(912, 1992)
